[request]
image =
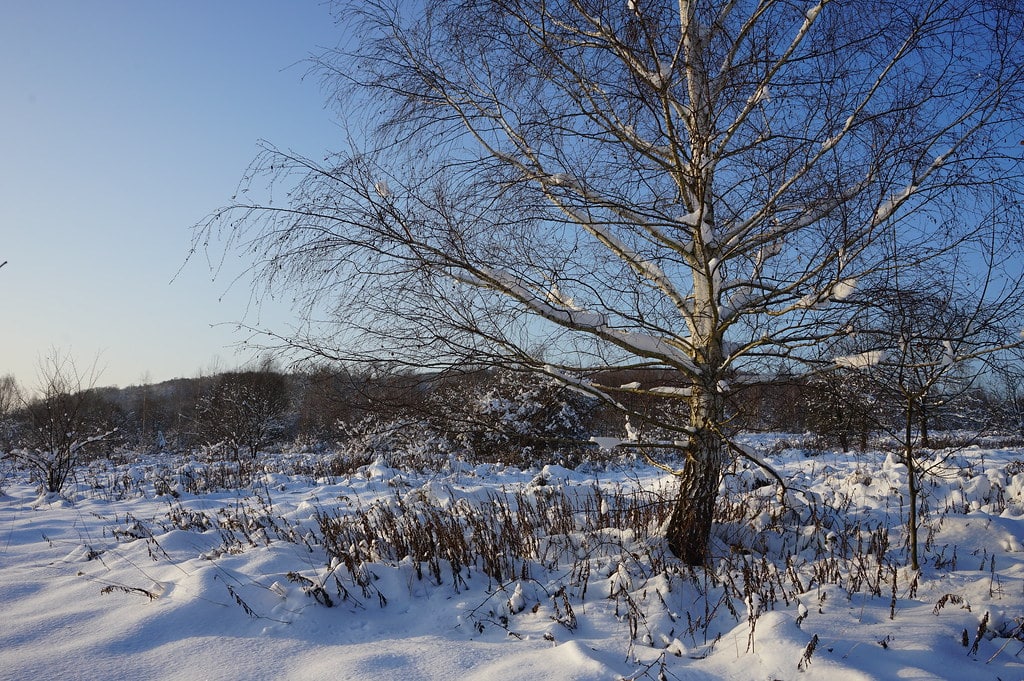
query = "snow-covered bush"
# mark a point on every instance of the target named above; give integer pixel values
(517, 418)
(400, 442)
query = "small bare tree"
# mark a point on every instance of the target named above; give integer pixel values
(59, 425)
(926, 339)
(575, 186)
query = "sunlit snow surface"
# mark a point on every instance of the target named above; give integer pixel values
(119, 582)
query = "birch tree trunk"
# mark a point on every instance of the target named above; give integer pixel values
(689, 526)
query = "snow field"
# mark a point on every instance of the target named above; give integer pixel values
(150, 570)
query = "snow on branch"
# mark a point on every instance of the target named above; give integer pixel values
(862, 360)
(948, 354)
(607, 443)
(888, 207)
(672, 390)
(837, 291)
(556, 297)
(843, 289)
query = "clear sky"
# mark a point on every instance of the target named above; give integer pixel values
(122, 124)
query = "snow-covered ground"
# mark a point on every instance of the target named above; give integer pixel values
(140, 572)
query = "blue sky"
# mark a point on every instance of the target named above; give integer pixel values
(121, 125)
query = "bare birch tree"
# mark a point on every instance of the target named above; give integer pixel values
(577, 185)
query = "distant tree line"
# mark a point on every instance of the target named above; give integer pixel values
(487, 414)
